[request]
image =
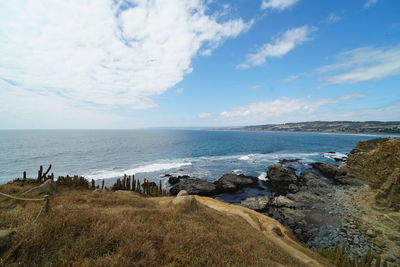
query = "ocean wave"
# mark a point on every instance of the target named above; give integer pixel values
(200, 165)
(155, 167)
(262, 176)
(335, 156)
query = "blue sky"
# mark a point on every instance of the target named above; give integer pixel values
(133, 64)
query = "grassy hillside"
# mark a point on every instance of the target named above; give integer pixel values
(95, 228)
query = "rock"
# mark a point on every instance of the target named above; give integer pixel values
(292, 218)
(370, 233)
(194, 186)
(313, 180)
(293, 188)
(182, 193)
(233, 182)
(256, 203)
(285, 161)
(298, 231)
(173, 180)
(329, 170)
(5, 239)
(278, 173)
(281, 201)
(185, 201)
(305, 198)
(389, 192)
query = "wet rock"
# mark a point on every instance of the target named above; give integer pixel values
(256, 203)
(173, 180)
(278, 173)
(285, 161)
(194, 186)
(233, 182)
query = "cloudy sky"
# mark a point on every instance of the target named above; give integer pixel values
(171, 63)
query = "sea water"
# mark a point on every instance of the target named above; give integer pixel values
(105, 154)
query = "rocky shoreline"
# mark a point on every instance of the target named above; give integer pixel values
(316, 201)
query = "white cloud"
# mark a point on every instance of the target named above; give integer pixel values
(332, 18)
(278, 4)
(204, 115)
(385, 113)
(279, 47)
(370, 3)
(104, 52)
(363, 64)
(281, 110)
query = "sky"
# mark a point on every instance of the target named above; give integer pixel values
(111, 64)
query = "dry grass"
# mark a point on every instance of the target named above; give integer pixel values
(86, 228)
(377, 160)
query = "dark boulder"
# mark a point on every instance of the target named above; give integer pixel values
(194, 186)
(278, 173)
(173, 180)
(285, 161)
(233, 182)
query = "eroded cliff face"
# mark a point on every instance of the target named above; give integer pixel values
(377, 163)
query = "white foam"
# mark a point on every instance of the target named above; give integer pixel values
(104, 174)
(263, 176)
(334, 156)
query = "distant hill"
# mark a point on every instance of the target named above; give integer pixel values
(390, 127)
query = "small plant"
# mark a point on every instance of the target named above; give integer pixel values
(341, 258)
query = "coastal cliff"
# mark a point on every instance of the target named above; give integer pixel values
(377, 163)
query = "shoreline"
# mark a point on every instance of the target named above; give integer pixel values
(372, 134)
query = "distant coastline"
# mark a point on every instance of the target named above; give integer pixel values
(333, 127)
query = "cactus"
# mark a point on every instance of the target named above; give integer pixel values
(128, 183)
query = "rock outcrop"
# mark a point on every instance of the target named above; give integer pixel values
(233, 182)
(281, 174)
(228, 183)
(194, 186)
(329, 170)
(256, 203)
(184, 200)
(376, 163)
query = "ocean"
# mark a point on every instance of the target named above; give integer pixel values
(106, 154)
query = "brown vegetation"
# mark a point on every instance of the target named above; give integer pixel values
(377, 163)
(104, 228)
